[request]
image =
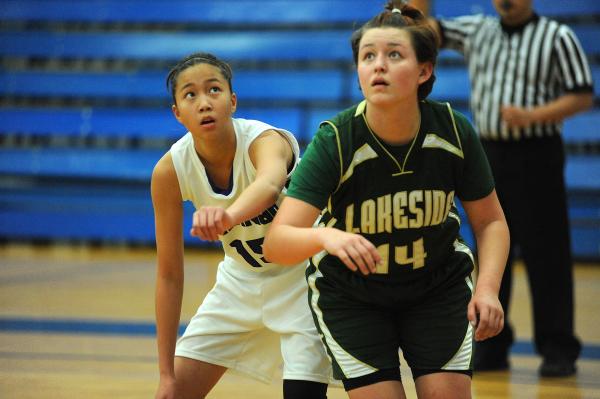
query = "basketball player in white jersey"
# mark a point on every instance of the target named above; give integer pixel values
(234, 171)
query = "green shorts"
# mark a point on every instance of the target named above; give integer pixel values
(365, 327)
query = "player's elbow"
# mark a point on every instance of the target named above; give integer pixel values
(273, 190)
(272, 250)
(269, 252)
(270, 188)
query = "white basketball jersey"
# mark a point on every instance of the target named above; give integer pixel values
(243, 243)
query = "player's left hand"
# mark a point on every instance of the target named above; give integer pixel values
(209, 222)
(486, 315)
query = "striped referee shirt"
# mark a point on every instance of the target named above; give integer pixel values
(524, 66)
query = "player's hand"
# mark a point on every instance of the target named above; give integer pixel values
(486, 315)
(166, 389)
(209, 222)
(516, 116)
(354, 250)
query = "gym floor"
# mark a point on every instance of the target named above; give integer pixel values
(78, 322)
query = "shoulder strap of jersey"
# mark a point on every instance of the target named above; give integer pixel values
(454, 126)
(339, 148)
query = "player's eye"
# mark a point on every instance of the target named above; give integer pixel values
(368, 56)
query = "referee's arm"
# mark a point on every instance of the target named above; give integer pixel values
(424, 7)
(551, 112)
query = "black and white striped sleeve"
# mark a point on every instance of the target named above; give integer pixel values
(456, 31)
(573, 65)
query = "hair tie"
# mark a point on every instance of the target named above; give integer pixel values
(397, 10)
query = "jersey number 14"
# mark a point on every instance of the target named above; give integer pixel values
(401, 256)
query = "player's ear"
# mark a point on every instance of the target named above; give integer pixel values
(233, 102)
(426, 71)
(176, 113)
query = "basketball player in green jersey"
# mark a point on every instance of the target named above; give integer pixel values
(388, 269)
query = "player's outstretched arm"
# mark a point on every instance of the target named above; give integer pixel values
(271, 155)
(292, 239)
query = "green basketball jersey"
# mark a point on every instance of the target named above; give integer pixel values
(401, 198)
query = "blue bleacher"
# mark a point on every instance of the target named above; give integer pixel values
(250, 11)
(582, 128)
(90, 122)
(89, 164)
(582, 172)
(129, 123)
(452, 84)
(453, 8)
(247, 12)
(295, 70)
(82, 212)
(294, 45)
(140, 85)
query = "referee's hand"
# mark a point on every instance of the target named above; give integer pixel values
(516, 116)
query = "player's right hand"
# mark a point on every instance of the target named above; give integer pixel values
(354, 250)
(209, 222)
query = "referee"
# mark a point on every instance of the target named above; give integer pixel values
(528, 73)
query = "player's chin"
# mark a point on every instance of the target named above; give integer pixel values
(381, 99)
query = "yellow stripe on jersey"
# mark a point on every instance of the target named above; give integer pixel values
(434, 141)
(454, 126)
(339, 147)
(361, 155)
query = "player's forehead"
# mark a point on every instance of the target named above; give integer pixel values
(199, 74)
(385, 36)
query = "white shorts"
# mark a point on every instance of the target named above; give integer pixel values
(249, 320)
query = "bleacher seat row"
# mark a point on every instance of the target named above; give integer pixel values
(296, 45)
(249, 12)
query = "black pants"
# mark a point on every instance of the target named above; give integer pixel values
(530, 184)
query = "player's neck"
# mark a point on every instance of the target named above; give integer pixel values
(217, 153)
(395, 125)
